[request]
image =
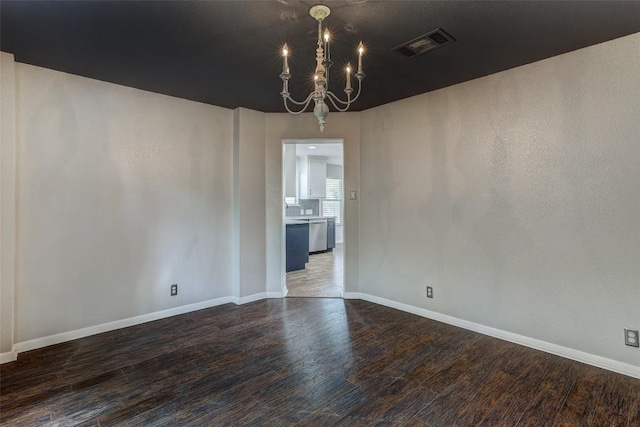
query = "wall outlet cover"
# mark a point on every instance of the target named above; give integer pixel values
(631, 337)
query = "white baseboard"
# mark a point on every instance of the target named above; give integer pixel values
(275, 295)
(250, 298)
(9, 356)
(558, 350)
(569, 353)
(118, 324)
(132, 321)
(352, 295)
(257, 297)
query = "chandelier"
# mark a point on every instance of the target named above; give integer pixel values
(321, 75)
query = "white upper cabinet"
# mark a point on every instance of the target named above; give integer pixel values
(313, 177)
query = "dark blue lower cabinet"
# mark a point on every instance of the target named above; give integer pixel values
(331, 234)
(297, 246)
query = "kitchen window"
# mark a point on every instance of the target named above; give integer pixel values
(332, 205)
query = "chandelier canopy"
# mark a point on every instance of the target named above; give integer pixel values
(321, 76)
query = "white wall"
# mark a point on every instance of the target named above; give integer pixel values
(7, 204)
(121, 193)
(281, 126)
(249, 215)
(516, 197)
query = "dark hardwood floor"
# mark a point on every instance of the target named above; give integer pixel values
(304, 361)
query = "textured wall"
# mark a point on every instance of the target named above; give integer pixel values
(249, 215)
(7, 200)
(121, 193)
(516, 197)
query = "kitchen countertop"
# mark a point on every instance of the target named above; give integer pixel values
(304, 219)
(309, 217)
(295, 221)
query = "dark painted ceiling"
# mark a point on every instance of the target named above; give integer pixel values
(226, 53)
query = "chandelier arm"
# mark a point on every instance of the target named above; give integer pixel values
(335, 97)
(295, 112)
(350, 101)
(331, 96)
(305, 102)
(359, 90)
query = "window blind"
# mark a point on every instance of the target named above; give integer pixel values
(332, 205)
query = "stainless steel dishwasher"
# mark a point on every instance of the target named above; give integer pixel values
(317, 235)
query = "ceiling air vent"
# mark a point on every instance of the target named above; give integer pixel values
(432, 40)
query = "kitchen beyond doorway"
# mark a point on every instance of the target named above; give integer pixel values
(322, 277)
(313, 190)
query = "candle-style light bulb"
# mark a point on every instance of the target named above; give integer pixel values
(327, 46)
(360, 53)
(348, 77)
(285, 62)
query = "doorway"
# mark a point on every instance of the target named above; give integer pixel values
(313, 189)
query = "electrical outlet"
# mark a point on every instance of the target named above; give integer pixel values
(631, 337)
(429, 292)
(174, 290)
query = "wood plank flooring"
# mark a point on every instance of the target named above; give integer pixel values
(322, 276)
(309, 362)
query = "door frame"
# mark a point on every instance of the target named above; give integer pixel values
(283, 237)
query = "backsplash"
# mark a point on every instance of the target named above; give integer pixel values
(303, 205)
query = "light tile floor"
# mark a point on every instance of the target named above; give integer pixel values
(322, 276)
